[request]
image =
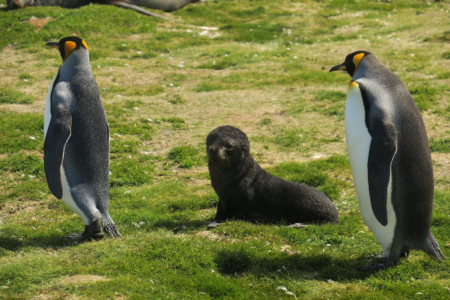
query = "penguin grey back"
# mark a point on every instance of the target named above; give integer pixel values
(412, 166)
(87, 151)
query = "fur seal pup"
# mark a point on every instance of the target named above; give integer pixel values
(390, 159)
(164, 5)
(76, 140)
(247, 192)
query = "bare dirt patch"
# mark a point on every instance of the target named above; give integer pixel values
(38, 23)
(441, 164)
(80, 279)
(207, 234)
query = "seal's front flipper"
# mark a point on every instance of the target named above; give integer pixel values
(58, 133)
(125, 4)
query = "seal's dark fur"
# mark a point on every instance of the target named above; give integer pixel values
(247, 192)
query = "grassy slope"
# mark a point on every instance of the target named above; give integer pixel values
(164, 87)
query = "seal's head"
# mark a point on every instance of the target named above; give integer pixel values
(14, 4)
(227, 147)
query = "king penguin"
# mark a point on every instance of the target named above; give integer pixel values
(76, 141)
(390, 159)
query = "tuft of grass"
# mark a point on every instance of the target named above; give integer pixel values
(440, 145)
(186, 156)
(446, 55)
(424, 97)
(265, 121)
(11, 96)
(176, 122)
(21, 132)
(131, 170)
(177, 99)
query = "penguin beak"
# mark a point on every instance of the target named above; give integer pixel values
(339, 67)
(53, 44)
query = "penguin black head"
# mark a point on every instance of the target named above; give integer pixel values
(351, 62)
(67, 45)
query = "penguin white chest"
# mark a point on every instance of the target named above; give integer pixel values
(48, 105)
(358, 146)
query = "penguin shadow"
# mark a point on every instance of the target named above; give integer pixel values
(41, 240)
(320, 266)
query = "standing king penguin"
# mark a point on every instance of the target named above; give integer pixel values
(390, 159)
(76, 141)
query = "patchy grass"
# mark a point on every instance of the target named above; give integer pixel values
(259, 65)
(10, 96)
(186, 156)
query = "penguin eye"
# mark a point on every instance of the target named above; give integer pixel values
(229, 146)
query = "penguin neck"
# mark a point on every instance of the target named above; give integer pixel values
(369, 67)
(77, 63)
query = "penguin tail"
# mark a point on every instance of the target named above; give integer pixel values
(432, 248)
(110, 228)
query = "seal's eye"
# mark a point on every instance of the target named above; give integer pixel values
(229, 146)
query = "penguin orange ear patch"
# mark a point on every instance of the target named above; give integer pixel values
(85, 45)
(69, 46)
(357, 59)
(352, 84)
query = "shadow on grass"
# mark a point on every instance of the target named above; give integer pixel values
(14, 243)
(180, 226)
(312, 266)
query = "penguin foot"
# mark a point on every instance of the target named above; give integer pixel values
(112, 230)
(376, 267)
(91, 232)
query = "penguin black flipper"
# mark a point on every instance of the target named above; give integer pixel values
(58, 134)
(381, 154)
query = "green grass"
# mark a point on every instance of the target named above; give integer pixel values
(8, 95)
(316, 174)
(186, 156)
(440, 145)
(261, 66)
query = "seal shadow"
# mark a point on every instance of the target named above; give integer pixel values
(321, 267)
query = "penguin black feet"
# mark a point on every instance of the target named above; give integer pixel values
(112, 230)
(91, 232)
